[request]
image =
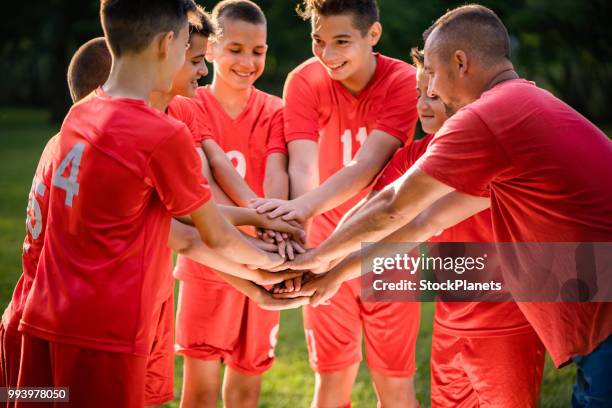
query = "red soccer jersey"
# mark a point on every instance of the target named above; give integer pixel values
(247, 140)
(461, 318)
(319, 108)
(181, 108)
(548, 172)
(38, 205)
(121, 170)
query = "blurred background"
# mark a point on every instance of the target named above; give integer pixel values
(563, 45)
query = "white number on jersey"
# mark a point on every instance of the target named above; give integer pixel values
(69, 185)
(35, 225)
(238, 160)
(273, 340)
(347, 143)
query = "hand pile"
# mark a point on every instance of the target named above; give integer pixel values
(312, 283)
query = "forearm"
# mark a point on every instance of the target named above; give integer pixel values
(232, 184)
(393, 207)
(340, 187)
(276, 180)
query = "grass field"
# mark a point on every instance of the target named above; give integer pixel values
(289, 383)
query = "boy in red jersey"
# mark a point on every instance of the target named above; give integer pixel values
(529, 152)
(111, 199)
(347, 110)
(88, 69)
(215, 322)
(160, 370)
(478, 348)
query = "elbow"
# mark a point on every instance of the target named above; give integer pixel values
(390, 205)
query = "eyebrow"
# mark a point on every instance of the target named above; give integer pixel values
(339, 36)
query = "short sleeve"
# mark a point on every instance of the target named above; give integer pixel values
(399, 115)
(276, 137)
(464, 154)
(186, 111)
(301, 117)
(403, 159)
(175, 171)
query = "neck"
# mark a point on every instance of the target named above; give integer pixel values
(232, 100)
(357, 82)
(504, 73)
(131, 76)
(160, 100)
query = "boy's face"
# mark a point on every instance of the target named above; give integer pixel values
(342, 49)
(186, 80)
(239, 53)
(431, 110)
(172, 54)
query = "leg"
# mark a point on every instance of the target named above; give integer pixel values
(394, 391)
(391, 330)
(240, 390)
(333, 389)
(159, 380)
(450, 385)
(201, 383)
(333, 336)
(207, 324)
(593, 388)
(505, 371)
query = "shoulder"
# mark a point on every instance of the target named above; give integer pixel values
(310, 74)
(393, 69)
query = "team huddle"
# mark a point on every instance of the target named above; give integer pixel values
(266, 201)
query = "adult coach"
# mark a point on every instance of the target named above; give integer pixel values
(544, 166)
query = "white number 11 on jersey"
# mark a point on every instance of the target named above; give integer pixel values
(347, 143)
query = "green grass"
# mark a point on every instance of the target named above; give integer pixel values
(23, 134)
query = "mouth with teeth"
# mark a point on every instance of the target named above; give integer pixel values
(336, 67)
(242, 74)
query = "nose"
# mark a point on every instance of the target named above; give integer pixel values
(203, 69)
(327, 54)
(422, 105)
(430, 88)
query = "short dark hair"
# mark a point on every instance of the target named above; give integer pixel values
(241, 10)
(206, 27)
(475, 28)
(130, 25)
(418, 58)
(89, 68)
(365, 12)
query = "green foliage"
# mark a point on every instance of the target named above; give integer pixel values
(564, 45)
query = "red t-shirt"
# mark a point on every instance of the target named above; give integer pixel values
(38, 206)
(122, 170)
(319, 108)
(181, 108)
(247, 140)
(548, 172)
(467, 319)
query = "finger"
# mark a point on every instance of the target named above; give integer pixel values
(278, 237)
(282, 248)
(297, 283)
(287, 295)
(267, 207)
(271, 233)
(285, 235)
(297, 247)
(290, 253)
(257, 202)
(289, 215)
(289, 285)
(279, 210)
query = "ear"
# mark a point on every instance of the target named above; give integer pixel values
(163, 44)
(374, 33)
(460, 61)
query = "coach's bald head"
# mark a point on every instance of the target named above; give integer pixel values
(465, 50)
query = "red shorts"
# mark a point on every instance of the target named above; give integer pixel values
(333, 333)
(95, 378)
(215, 321)
(159, 380)
(10, 354)
(501, 372)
